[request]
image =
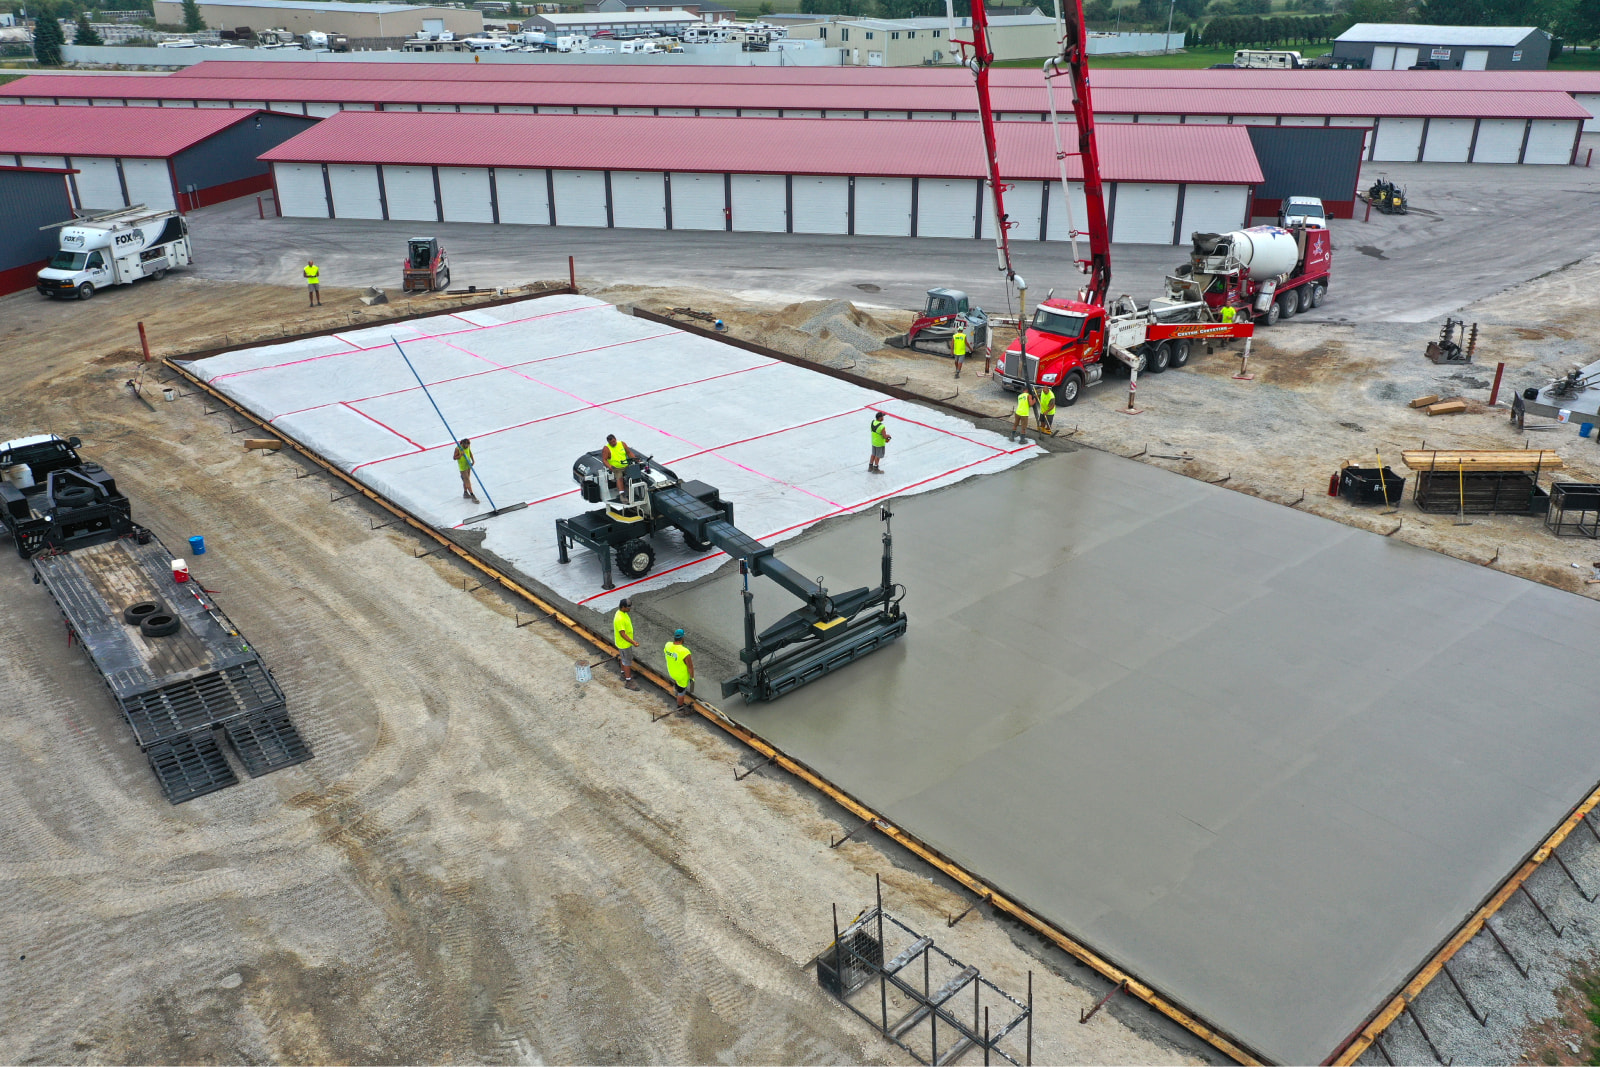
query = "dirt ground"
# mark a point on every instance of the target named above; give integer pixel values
(1322, 395)
(486, 861)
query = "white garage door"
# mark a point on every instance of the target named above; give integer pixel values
(301, 194)
(947, 207)
(559, 109)
(1023, 203)
(355, 191)
(1057, 225)
(51, 162)
(597, 111)
(477, 109)
(517, 109)
(1255, 120)
(1590, 102)
(1449, 140)
(190, 103)
(149, 183)
(1475, 59)
(464, 192)
(1550, 141)
(1499, 140)
(321, 109)
(638, 200)
(1205, 120)
(1158, 120)
(1383, 57)
(883, 207)
(524, 196)
(697, 202)
(1303, 120)
(402, 107)
(1212, 209)
(1405, 58)
(98, 184)
(352, 106)
(438, 107)
(283, 106)
(580, 197)
(1346, 120)
(211, 103)
(1145, 214)
(410, 193)
(821, 205)
(1398, 140)
(760, 203)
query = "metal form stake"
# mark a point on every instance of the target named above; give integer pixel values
(986, 1042)
(1496, 935)
(1590, 827)
(144, 342)
(1568, 870)
(835, 844)
(1423, 1031)
(1029, 1060)
(1085, 1016)
(883, 979)
(572, 272)
(1523, 888)
(983, 899)
(738, 777)
(1483, 1020)
(1377, 1039)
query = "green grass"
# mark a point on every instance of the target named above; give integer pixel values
(11, 77)
(1189, 59)
(1588, 60)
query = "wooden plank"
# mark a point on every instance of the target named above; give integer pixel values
(270, 443)
(1447, 407)
(1510, 459)
(1424, 401)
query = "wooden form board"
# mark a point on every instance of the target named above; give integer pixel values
(1510, 459)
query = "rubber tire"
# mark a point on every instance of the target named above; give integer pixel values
(74, 496)
(1287, 304)
(134, 614)
(86, 291)
(444, 281)
(1270, 318)
(1181, 350)
(629, 557)
(1319, 292)
(692, 543)
(161, 624)
(1159, 359)
(1071, 389)
(1303, 298)
(158, 275)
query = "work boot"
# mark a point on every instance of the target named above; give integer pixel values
(629, 683)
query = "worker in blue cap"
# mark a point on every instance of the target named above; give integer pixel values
(680, 665)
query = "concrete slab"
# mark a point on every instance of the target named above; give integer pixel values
(536, 382)
(1262, 760)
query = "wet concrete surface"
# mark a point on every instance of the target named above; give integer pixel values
(1264, 761)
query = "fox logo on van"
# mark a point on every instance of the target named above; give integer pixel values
(71, 239)
(132, 238)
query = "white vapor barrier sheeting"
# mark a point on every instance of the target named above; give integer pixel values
(537, 382)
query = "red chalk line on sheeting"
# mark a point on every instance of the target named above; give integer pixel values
(391, 429)
(420, 337)
(811, 522)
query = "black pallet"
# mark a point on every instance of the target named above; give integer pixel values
(208, 700)
(190, 766)
(267, 742)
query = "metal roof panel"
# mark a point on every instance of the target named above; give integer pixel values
(144, 132)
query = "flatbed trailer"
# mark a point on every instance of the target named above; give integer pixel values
(177, 690)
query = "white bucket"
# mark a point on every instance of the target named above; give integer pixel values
(20, 475)
(180, 570)
(583, 671)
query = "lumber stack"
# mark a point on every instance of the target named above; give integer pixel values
(1447, 407)
(1489, 459)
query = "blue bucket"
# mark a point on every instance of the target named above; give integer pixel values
(197, 545)
(1585, 429)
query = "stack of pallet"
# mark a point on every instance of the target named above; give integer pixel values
(1481, 481)
(1482, 459)
(1435, 406)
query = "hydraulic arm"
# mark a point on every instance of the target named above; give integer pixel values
(1074, 63)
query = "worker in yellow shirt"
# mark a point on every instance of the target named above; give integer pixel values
(958, 349)
(1026, 402)
(616, 454)
(1047, 410)
(313, 275)
(622, 637)
(680, 666)
(464, 463)
(1228, 314)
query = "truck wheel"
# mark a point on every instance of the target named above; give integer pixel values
(1318, 293)
(693, 543)
(635, 558)
(1180, 353)
(85, 291)
(1157, 359)
(1271, 317)
(1286, 305)
(158, 275)
(1303, 295)
(1070, 390)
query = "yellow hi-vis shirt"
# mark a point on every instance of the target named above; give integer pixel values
(617, 455)
(464, 458)
(878, 438)
(1228, 313)
(312, 273)
(622, 630)
(958, 343)
(677, 654)
(1047, 401)
(1022, 404)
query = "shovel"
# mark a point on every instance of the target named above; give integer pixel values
(1389, 508)
(1461, 495)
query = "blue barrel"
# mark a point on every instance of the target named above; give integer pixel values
(197, 545)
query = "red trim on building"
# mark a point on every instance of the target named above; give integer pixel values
(19, 278)
(1263, 208)
(216, 194)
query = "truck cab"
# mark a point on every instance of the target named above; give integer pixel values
(1065, 344)
(51, 498)
(1302, 211)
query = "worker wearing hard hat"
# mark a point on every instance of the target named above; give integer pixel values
(958, 349)
(880, 441)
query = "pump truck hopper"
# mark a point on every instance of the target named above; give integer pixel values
(826, 632)
(426, 268)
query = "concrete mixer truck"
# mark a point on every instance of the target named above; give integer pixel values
(115, 248)
(1269, 272)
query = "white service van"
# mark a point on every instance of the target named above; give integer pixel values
(115, 248)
